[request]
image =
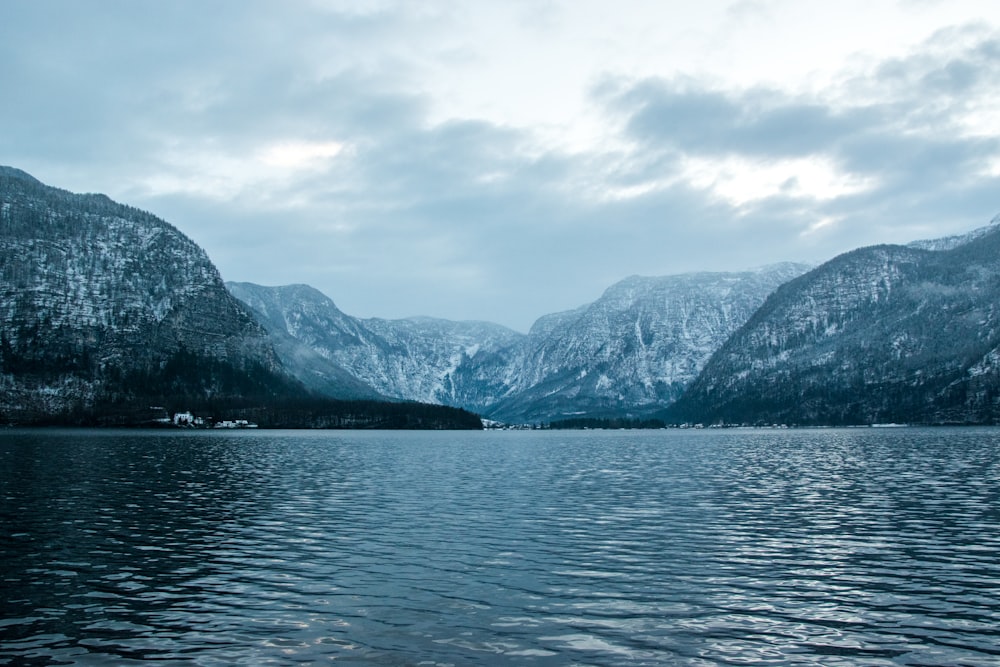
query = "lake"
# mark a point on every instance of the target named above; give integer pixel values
(715, 547)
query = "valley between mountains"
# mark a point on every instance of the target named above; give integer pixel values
(107, 310)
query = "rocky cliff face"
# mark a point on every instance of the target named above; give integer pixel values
(631, 351)
(97, 299)
(307, 329)
(411, 359)
(634, 349)
(881, 334)
(106, 310)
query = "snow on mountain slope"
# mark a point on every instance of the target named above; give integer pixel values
(631, 351)
(103, 302)
(880, 334)
(635, 348)
(307, 330)
(949, 242)
(95, 295)
(411, 359)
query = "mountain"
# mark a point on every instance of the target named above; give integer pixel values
(630, 352)
(106, 310)
(305, 326)
(949, 242)
(429, 355)
(633, 350)
(880, 334)
(105, 305)
(410, 359)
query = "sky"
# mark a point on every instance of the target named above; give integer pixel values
(501, 160)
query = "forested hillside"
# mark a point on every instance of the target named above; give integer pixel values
(880, 334)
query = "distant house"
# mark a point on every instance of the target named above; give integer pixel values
(183, 419)
(235, 423)
(188, 420)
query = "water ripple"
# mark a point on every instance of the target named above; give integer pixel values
(710, 548)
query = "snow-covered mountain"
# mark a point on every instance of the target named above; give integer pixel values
(306, 329)
(98, 298)
(105, 309)
(949, 242)
(880, 334)
(631, 351)
(412, 359)
(428, 354)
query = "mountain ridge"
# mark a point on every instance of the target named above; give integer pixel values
(95, 295)
(105, 306)
(407, 359)
(568, 362)
(110, 315)
(879, 334)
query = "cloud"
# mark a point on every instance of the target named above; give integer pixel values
(689, 117)
(344, 146)
(906, 130)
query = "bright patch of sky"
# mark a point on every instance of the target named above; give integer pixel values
(299, 154)
(516, 64)
(740, 181)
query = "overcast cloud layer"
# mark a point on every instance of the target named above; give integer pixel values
(502, 160)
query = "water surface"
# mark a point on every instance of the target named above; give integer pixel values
(839, 547)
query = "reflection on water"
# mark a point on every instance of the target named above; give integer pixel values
(733, 547)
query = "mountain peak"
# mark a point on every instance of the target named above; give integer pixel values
(15, 173)
(106, 309)
(879, 334)
(950, 242)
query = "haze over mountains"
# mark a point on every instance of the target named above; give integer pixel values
(102, 304)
